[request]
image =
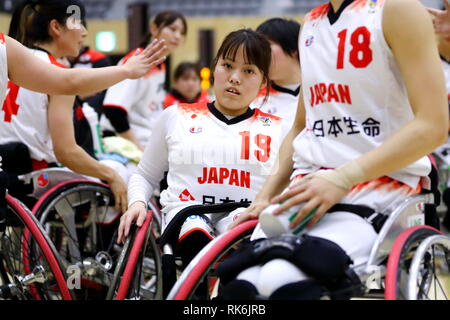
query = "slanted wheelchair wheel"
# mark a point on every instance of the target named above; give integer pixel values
(80, 219)
(29, 265)
(204, 265)
(398, 272)
(138, 274)
(429, 274)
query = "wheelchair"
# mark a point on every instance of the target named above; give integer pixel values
(409, 259)
(79, 218)
(30, 267)
(441, 158)
(148, 266)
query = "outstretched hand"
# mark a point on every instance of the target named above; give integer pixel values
(139, 64)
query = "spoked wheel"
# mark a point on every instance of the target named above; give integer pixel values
(138, 274)
(429, 276)
(203, 267)
(410, 267)
(29, 267)
(80, 219)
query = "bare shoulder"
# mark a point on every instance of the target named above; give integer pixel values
(403, 19)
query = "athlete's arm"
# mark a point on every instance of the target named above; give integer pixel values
(279, 179)
(407, 28)
(71, 155)
(428, 129)
(150, 171)
(28, 71)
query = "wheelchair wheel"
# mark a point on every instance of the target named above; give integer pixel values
(138, 272)
(29, 267)
(204, 265)
(80, 219)
(400, 261)
(429, 275)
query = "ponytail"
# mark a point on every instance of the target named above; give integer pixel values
(31, 18)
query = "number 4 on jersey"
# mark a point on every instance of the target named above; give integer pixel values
(10, 107)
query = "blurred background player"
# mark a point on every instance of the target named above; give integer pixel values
(131, 107)
(44, 123)
(186, 86)
(90, 58)
(285, 73)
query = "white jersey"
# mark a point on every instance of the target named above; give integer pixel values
(354, 95)
(24, 117)
(282, 102)
(210, 159)
(3, 69)
(141, 98)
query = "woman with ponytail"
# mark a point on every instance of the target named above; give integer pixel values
(21, 67)
(45, 122)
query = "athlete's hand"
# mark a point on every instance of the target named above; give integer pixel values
(138, 65)
(119, 189)
(137, 211)
(252, 212)
(441, 20)
(316, 192)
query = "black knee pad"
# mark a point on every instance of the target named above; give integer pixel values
(188, 248)
(239, 260)
(301, 290)
(321, 259)
(238, 290)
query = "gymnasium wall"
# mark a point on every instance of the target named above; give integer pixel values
(189, 51)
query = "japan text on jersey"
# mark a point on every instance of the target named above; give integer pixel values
(354, 94)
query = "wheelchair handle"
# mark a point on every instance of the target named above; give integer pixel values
(171, 232)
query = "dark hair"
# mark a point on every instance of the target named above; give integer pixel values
(184, 67)
(164, 19)
(256, 50)
(31, 18)
(283, 32)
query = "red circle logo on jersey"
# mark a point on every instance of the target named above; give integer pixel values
(196, 130)
(43, 180)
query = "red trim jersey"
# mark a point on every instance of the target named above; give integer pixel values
(209, 158)
(174, 97)
(141, 98)
(23, 117)
(4, 69)
(354, 95)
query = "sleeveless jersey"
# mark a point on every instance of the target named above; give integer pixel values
(23, 117)
(209, 158)
(141, 98)
(4, 69)
(282, 102)
(354, 95)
